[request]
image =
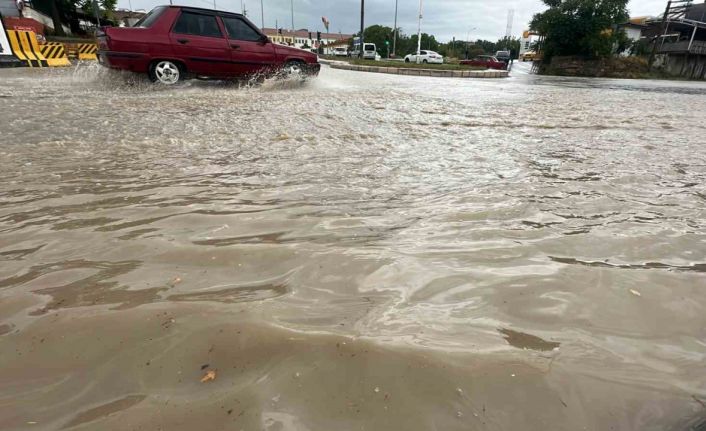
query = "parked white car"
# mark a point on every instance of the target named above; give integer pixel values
(425, 57)
(340, 52)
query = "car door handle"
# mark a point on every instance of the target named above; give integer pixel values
(183, 41)
(234, 46)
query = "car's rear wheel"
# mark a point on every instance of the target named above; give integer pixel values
(166, 72)
(406, 60)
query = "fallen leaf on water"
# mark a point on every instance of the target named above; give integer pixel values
(635, 292)
(210, 375)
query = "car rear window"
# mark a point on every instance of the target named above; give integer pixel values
(369, 47)
(240, 30)
(152, 17)
(197, 24)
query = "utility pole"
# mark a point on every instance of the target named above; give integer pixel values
(419, 32)
(394, 38)
(663, 29)
(362, 27)
(292, 15)
(262, 13)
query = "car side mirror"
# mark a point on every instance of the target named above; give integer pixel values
(264, 39)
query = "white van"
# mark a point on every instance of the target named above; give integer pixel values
(369, 52)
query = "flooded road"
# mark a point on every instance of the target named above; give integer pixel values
(361, 251)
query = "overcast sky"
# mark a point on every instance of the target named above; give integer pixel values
(444, 18)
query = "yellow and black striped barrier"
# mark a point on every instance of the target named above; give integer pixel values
(87, 51)
(55, 53)
(26, 48)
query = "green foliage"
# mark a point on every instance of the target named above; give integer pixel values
(106, 6)
(640, 48)
(463, 49)
(580, 27)
(64, 11)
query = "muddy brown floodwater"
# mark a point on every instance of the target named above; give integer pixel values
(358, 252)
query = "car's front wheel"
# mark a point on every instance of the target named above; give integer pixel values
(425, 61)
(293, 69)
(166, 72)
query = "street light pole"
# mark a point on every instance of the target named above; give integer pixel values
(468, 39)
(394, 38)
(292, 15)
(419, 32)
(262, 13)
(362, 27)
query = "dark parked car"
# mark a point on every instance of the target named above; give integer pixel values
(172, 43)
(504, 56)
(487, 61)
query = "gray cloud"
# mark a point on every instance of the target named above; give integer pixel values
(444, 18)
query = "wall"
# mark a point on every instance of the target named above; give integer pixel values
(616, 67)
(633, 33)
(23, 24)
(687, 66)
(40, 17)
(8, 8)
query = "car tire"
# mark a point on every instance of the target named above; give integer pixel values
(425, 62)
(406, 60)
(293, 69)
(166, 72)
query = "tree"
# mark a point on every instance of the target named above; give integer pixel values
(65, 11)
(377, 34)
(580, 27)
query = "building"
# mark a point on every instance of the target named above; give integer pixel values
(635, 28)
(679, 39)
(127, 18)
(306, 39)
(528, 42)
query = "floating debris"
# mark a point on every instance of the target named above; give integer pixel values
(210, 375)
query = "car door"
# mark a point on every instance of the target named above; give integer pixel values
(250, 51)
(197, 40)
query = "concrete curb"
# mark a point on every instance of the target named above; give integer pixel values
(421, 72)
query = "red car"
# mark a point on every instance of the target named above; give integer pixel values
(487, 61)
(172, 43)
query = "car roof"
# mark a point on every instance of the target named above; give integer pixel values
(204, 10)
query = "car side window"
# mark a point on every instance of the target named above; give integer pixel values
(240, 30)
(197, 24)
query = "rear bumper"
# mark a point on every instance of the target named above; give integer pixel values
(132, 61)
